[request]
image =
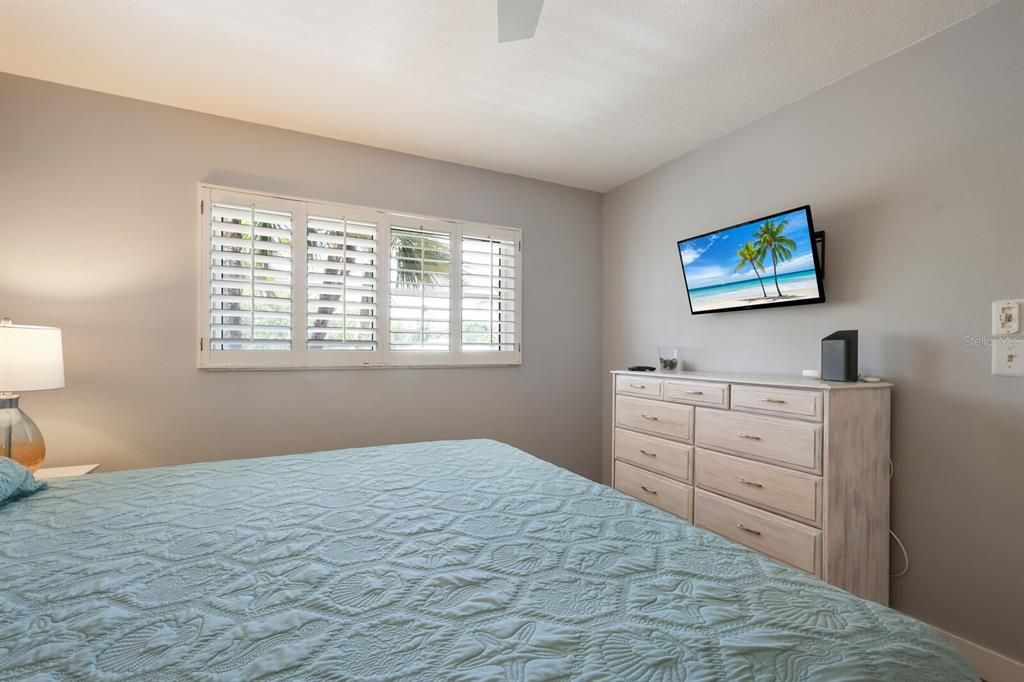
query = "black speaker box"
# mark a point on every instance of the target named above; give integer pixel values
(839, 356)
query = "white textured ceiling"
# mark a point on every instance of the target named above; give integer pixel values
(607, 90)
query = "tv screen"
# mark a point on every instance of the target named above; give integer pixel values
(764, 263)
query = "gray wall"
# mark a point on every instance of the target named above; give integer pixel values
(915, 168)
(98, 236)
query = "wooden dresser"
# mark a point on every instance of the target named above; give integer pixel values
(795, 468)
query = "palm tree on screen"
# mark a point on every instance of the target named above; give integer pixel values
(749, 254)
(771, 242)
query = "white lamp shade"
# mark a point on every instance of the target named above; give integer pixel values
(31, 358)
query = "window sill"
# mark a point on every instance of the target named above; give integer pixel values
(305, 368)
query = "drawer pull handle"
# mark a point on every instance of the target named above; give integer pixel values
(752, 484)
(649, 454)
(777, 401)
(695, 392)
(748, 436)
(648, 490)
(650, 417)
(748, 530)
(638, 385)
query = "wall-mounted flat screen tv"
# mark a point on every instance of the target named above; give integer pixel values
(763, 263)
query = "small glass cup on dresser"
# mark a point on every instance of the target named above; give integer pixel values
(668, 358)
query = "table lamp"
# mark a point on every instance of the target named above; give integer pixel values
(31, 359)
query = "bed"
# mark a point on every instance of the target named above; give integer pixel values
(460, 560)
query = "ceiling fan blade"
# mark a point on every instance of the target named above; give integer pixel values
(517, 19)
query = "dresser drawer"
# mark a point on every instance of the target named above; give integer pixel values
(780, 401)
(633, 385)
(657, 454)
(697, 393)
(788, 541)
(783, 491)
(779, 441)
(663, 493)
(666, 419)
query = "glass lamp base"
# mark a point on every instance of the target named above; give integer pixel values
(20, 438)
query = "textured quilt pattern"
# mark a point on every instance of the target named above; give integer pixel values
(458, 560)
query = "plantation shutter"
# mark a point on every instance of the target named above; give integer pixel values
(291, 283)
(250, 273)
(341, 279)
(489, 300)
(420, 289)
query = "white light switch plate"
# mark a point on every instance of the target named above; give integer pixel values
(1008, 356)
(1006, 316)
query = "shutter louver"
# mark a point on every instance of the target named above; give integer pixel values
(420, 296)
(341, 271)
(250, 278)
(488, 294)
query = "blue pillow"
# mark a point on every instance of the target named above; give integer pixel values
(16, 480)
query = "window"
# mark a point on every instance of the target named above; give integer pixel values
(488, 293)
(420, 304)
(341, 279)
(289, 283)
(250, 291)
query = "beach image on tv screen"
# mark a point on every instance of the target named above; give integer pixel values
(758, 263)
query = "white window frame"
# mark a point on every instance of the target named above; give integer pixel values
(383, 357)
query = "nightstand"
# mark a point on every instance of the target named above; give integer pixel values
(64, 472)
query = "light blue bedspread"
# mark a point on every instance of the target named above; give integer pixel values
(460, 560)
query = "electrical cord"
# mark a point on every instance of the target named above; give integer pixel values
(906, 557)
